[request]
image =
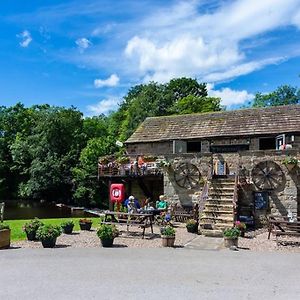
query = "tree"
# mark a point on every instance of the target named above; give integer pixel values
(283, 95)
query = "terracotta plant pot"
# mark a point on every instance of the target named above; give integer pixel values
(48, 243)
(107, 242)
(229, 242)
(4, 238)
(168, 241)
(290, 167)
(85, 226)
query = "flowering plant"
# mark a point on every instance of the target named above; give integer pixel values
(85, 221)
(168, 231)
(107, 232)
(290, 160)
(240, 225)
(48, 231)
(32, 226)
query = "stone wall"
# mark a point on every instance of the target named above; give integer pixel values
(286, 197)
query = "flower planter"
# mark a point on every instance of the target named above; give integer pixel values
(85, 226)
(31, 236)
(192, 228)
(168, 241)
(229, 242)
(107, 242)
(4, 238)
(48, 243)
(67, 229)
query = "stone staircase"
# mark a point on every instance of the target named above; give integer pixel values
(218, 210)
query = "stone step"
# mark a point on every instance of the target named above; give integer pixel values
(211, 232)
(218, 206)
(220, 200)
(215, 220)
(220, 213)
(221, 188)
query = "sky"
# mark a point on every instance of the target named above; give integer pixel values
(88, 53)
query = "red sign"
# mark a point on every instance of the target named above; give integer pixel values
(117, 192)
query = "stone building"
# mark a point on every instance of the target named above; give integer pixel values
(244, 158)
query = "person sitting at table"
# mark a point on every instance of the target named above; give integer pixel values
(132, 204)
(162, 204)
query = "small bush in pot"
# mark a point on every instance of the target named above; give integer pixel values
(4, 236)
(85, 224)
(241, 226)
(168, 236)
(48, 234)
(107, 233)
(231, 236)
(192, 226)
(31, 227)
(67, 226)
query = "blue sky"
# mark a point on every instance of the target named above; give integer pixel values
(88, 53)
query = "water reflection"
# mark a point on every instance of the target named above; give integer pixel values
(17, 210)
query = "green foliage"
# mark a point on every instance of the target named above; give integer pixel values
(283, 95)
(290, 160)
(3, 226)
(48, 231)
(107, 232)
(32, 226)
(67, 223)
(233, 232)
(168, 231)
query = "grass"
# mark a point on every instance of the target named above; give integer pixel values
(18, 234)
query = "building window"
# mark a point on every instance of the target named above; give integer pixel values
(193, 147)
(267, 143)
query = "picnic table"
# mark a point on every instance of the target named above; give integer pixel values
(142, 220)
(280, 226)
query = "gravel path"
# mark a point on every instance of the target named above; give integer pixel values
(89, 239)
(254, 241)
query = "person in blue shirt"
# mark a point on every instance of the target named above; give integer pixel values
(131, 200)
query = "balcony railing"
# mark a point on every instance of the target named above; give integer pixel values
(131, 168)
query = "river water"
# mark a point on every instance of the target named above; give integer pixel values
(18, 210)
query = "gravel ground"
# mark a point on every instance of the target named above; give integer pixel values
(254, 241)
(133, 239)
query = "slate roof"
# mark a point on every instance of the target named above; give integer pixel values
(244, 122)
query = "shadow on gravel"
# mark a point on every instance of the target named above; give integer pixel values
(62, 246)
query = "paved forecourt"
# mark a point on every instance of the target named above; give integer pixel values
(126, 273)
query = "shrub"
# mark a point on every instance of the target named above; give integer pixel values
(49, 231)
(67, 223)
(168, 231)
(4, 226)
(32, 226)
(233, 232)
(107, 232)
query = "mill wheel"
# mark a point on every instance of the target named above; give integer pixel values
(187, 175)
(267, 175)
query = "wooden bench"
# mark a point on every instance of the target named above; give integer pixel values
(129, 219)
(282, 226)
(183, 213)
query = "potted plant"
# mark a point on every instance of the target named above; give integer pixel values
(85, 224)
(231, 236)
(192, 226)
(4, 236)
(31, 227)
(290, 162)
(168, 236)
(48, 234)
(241, 226)
(123, 160)
(107, 233)
(67, 226)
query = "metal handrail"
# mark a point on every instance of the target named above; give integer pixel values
(2, 204)
(235, 194)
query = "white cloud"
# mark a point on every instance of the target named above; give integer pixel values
(103, 107)
(229, 96)
(185, 41)
(112, 80)
(83, 44)
(25, 37)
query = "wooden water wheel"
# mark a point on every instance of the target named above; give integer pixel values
(267, 175)
(187, 175)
